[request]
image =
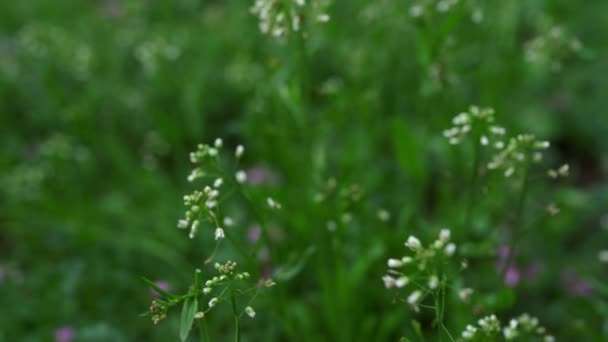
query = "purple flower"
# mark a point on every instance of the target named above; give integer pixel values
(512, 276)
(575, 285)
(253, 233)
(64, 334)
(259, 175)
(163, 285)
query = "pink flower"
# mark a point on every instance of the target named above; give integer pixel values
(64, 334)
(575, 285)
(163, 285)
(259, 175)
(253, 234)
(512, 276)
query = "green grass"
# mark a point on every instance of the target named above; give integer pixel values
(102, 101)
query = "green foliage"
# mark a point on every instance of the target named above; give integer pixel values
(342, 121)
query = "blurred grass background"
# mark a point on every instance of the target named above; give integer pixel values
(101, 101)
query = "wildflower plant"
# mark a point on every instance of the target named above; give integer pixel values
(203, 212)
(282, 18)
(521, 328)
(424, 272)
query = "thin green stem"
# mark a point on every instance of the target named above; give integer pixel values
(235, 313)
(202, 330)
(473, 182)
(519, 217)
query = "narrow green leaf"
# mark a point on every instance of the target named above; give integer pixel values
(185, 323)
(158, 289)
(408, 151)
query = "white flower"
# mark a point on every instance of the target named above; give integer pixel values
(465, 293)
(250, 312)
(383, 215)
(433, 282)
(193, 229)
(401, 281)
(394, 263)
(213, 151)
(273, 204)
(212, 302)
(199, 315)
(207, 290)
(228, 221)
(241, 176)
(413, 243)
(218, 182)
(406, 260)
(469, 332)
(450, 249)
(388, 281)
(549, 338)
(323, 18)
(413, 299)
(182, 224)
(603, 255)
(444, 235)
(240, 149)
(211, 204)
(218, 143)
(484, 140)
(219, 233)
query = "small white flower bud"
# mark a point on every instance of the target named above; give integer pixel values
(433, 282)
(240, 149)
(207, 290)
(241, 176)
(182, 224)
(228, 221)
(199, 315)
(444, 235)
(218, 182)
(218, 143)
(250, 312)
(450, 249)
(219, 233)
(413, 298)
(413, 243)
(212, 151)
(394, 263)
(323, 18)
(212, 302)
(388, 281)
(401, 281)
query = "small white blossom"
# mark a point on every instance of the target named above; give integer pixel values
(218, 182)
(241, 176)
(218, 143)
(433, 282)
(238, 152)
(444, 235)
(182, 224)
(212, 302)
(603, 255)
(389, 281)
(413, 243)
(450, 248)
(273, 204)
(219, 233)
(401, 281)
(213, 151)
(323, 18)
(199, 315)
(413, 299)
(394, 263)
(207, 290)
(228, 221)
(383, 215)
(250, 312)
(465, 293)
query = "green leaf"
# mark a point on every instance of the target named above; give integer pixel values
(295, 268)
(158, 289)
(185, 322)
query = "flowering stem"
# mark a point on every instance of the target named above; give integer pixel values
(519, 217)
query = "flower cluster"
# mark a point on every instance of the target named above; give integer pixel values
(281, 17)
(488, 328)
(422, 267)
(421, 7)
(520, 150)
(480, 122)
(551, 48)
(203, 205)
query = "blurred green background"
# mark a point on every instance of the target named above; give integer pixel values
(101, 101)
